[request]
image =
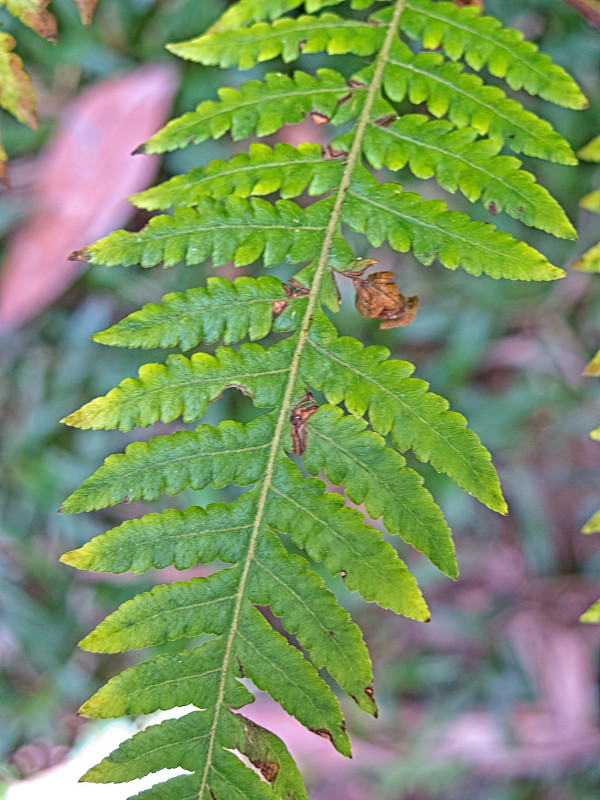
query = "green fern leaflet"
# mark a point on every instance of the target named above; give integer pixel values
(369, 410)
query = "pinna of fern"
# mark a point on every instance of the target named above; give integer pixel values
(370, 409)
(590, 262)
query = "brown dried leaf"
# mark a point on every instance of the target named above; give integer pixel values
(16, 94)
(34, 14)
(83, 176)
(377, 297)
(300, 415)
(86, 10)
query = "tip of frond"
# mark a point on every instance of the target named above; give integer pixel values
(140, 150)
(80, 255)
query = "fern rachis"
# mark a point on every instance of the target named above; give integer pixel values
(220, 213)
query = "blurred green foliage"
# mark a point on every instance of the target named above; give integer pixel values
(508, 356)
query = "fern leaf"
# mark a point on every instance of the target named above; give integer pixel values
(174, 679)
(259, 108)
(589, 261)
(228, 310)
(241, 231)
(446, 89)
(16, 92)
(483, 42)
(377, 476)
(367, 382)
(593, 524)
(218, 216)
(246, 47)
(194, 536)
(385, 212)
(230, 453)
(162, 746)
(248, 12)
(460, 163)
(284, 169)
(185, 387)
(319, 524)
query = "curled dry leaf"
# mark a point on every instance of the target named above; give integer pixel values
(377, 297)
(82, 178)
(301, 413)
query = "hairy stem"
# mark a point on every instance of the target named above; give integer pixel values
(332, 226)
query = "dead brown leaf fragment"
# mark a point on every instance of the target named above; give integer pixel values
(86, 10)
(377, 297)
(33, 13)
(301, 413)
(16, 93)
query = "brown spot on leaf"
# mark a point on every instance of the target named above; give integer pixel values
(333, 153)
(299, 417)
(268, 769)
(385, 122)
(377, 297)
(302, 45)
(345, 98)
(322, 732)
(521, 208)
(279, 306)
(240, 667)
(80, 255)
(331, 633)
(343, 573)
(356, 84)
(493, 208)
(126, 498)
(318, 118)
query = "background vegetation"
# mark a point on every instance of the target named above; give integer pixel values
(496, 699)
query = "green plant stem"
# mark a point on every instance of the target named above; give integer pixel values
(332, 226)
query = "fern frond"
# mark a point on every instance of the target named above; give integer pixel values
(460, 163)
(248, 12)
(259, 107)
(228, 310)
(366, 381)
(240, 231)
(284, 169)
(483, 42)
(285, 38)
(377, 476)
(219, 216)
(385, 212)
(184, 387)
(446, 89)
(230, 453)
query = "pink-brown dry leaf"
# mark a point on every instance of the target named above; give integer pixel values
(84, 176)
(86, 10)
